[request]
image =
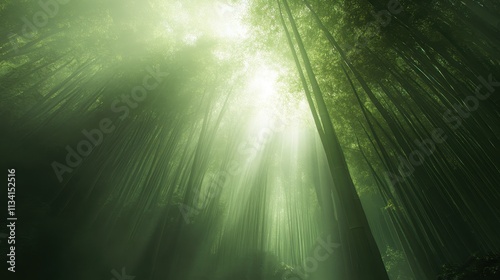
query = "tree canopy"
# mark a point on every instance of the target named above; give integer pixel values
(251, 139)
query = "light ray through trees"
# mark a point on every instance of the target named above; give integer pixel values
(252, 139)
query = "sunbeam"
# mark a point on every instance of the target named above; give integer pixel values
(250, 139)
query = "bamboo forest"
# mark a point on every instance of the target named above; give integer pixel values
(250, 139)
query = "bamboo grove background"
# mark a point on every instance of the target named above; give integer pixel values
(383, 139)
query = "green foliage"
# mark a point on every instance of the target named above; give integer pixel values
(354, 114)
(396, 264)
(485, 267)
